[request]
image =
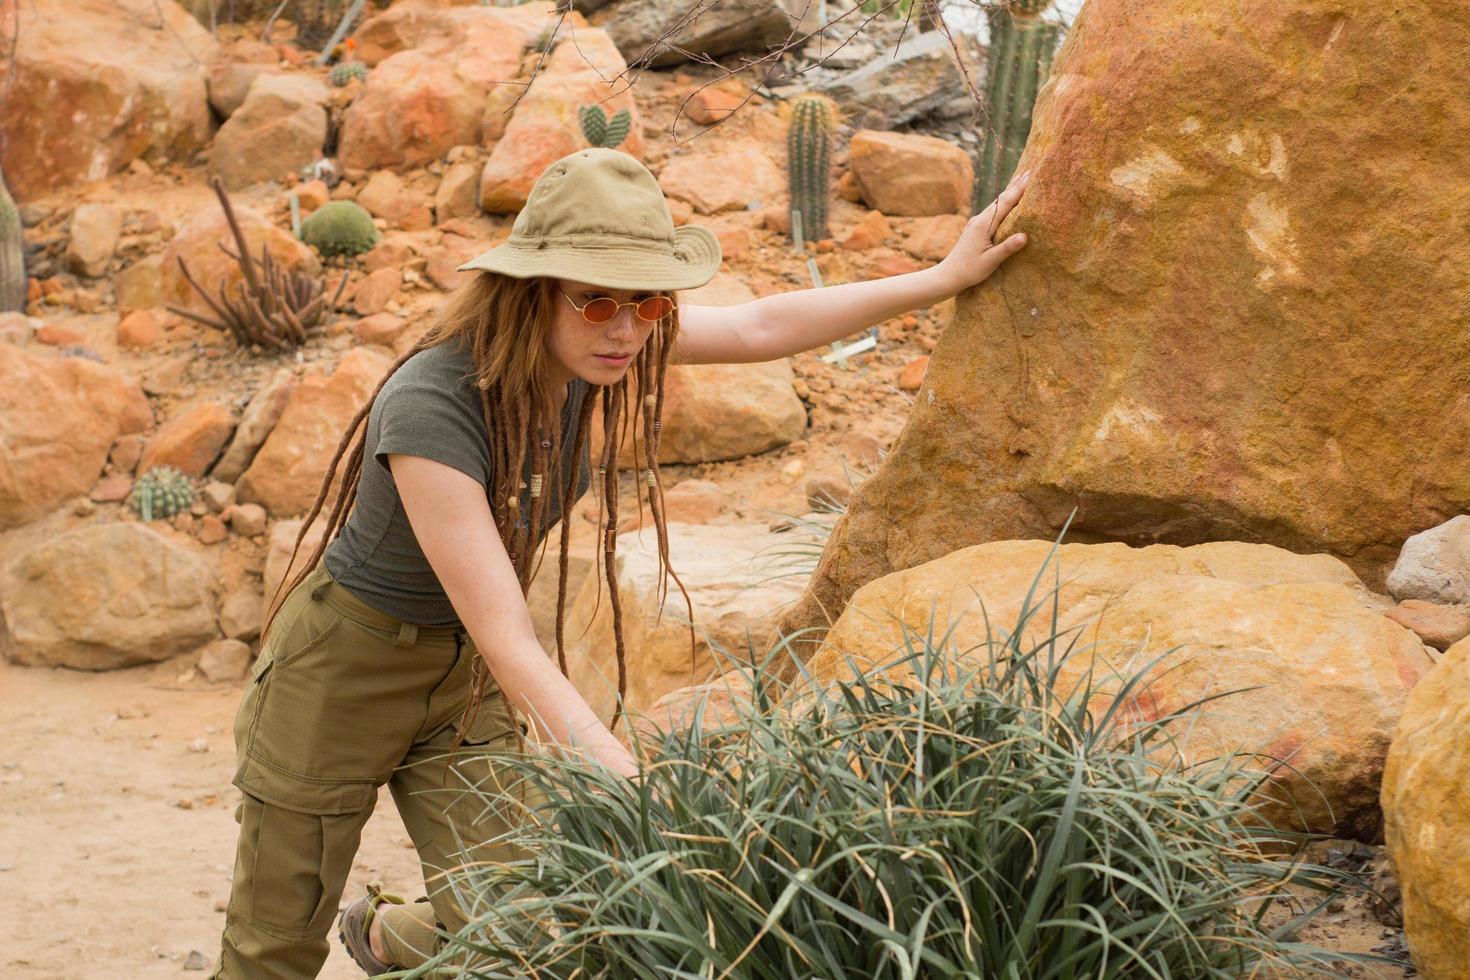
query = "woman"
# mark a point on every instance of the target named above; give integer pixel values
(406, 635)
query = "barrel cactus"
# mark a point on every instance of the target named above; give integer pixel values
(12, 254)
(1021, 49)
(601, 131)
(339, 228)
(347, 71)
(162, 492)
(808, 152)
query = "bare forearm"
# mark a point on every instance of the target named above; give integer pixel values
(534, 686)
(803, 319)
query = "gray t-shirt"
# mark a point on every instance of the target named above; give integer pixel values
(430, 407)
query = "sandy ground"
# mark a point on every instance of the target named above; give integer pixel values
(117, 831)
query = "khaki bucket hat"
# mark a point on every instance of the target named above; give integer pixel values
(598, 216)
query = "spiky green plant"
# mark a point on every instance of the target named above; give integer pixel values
(339, 228)
(601, 131)
(346, 71)
(1022, 46)
(162, 492)
(974, 821)
(808, 154)
(12, 254)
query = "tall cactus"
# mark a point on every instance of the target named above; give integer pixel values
(12, 254)
(1022, 46)
(808, 152)
(601, 131)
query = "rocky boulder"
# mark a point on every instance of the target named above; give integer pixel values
(198, 243)
(99, 83)
(636, 26)
(59, 417)
(190, 440)
(910, 173)
(259, 418)
(899, 85)
(1426, 816)
(279, 128)
(1434, 565)
(287, 472)
(1192, 346)
(545, 126)
(723, 178)
(729, 572)
(1320, 674)
(104, 596)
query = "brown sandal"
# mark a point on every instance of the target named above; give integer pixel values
(352, 929)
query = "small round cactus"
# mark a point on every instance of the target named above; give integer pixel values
(162, 492)
(347, 71)
(339, 228)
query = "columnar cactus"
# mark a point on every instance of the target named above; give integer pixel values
(162, 492)
(1021, 49)
(808, 152)
(12, 254)
(601, 131)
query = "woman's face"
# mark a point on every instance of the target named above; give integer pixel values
(598, 353)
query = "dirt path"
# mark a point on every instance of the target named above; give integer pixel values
(117, 830)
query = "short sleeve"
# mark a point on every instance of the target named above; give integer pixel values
(422, 420)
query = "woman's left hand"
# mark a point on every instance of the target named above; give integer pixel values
(976, 255)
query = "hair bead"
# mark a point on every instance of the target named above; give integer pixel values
(535, 485)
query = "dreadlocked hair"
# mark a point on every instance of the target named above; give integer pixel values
(504, 322)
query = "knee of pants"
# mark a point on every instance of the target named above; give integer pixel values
(291, 867)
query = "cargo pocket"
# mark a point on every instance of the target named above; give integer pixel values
(297, 867)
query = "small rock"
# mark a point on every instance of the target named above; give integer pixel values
(95, 229)
(139, 330)
(135, 710)
(126, 452)
(694, 502)
(112, 489)
(218, 495)
(911, 378)
(83, 507)
(247, 519)
(312, 195)
(199, 745)
(212, 530)
(59, 335)
(239, 617)
(221, 904)
(224, 660)
(1438, 626)
(792, 470)
(380, 328)
(827, 492)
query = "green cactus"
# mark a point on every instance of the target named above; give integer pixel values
(599, 130)
(347, 71)
(162, 492)
(339, 228)
(12, 254)
(1022, 46)
(808, 151)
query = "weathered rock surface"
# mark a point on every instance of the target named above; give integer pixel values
(1426, 816)
(95, 229)
(280, 128)
(723, 179)
(1329, 674)
(636, 25)
(287, 472)
(190, 440)
(900, 85)
(1434, 565)
(910, 173)
(722, 567)
(130, 74)
(1192, 346)
(545, 126)
(224, 660)
(260, 417)
(104, 596)
(1438, 626)
(58, 419)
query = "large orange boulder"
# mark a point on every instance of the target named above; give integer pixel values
(59, 417)
(546, 127)
(97, 84)
(1426, 816)
(1320, 674)
(1241, 314)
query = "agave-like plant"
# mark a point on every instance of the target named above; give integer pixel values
(972, 821)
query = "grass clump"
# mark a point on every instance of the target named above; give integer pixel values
(969, 821)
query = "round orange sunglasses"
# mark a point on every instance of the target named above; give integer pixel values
(604, 308)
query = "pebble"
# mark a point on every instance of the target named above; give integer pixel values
(138, 710)
(199, 745)
(195, 961)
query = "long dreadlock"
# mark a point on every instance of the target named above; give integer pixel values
(504, 321)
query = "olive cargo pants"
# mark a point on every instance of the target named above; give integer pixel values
(343, 699)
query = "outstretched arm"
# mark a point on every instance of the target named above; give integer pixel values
(451, 519)
(787, 323)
